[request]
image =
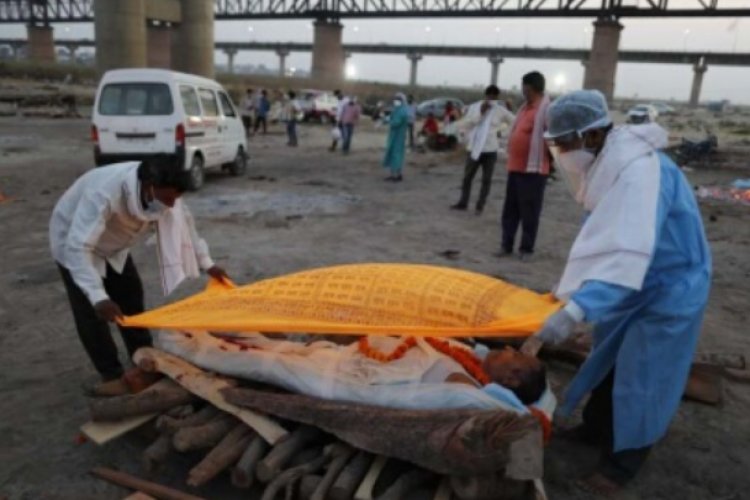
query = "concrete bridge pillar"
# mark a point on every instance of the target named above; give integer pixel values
(699, 69)
(602, 64)
(120, 32)
(230, 59)
(193, 40)
(328, 52)
(495, 62)
(414, 59)
(72, 48)
(282, 53)
(159, 45)
(41, 46)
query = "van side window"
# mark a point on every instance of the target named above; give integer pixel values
(135, 99)
(226, 105)
(190, 100)
(208, 101)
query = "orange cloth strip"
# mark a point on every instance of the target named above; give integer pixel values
(385, 299)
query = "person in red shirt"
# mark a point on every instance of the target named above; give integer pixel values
(528, 168)
(430, 126)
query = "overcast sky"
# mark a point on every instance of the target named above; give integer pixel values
(662, 81)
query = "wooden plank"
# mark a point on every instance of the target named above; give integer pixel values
(103, 432)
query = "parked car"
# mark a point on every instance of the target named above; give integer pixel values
(664, 109)
(142, 112)
(642, 113)
(318, 106)
(437, 106)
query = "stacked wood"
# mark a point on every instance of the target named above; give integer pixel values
(337, 451)
(226, 453)
(479, 441)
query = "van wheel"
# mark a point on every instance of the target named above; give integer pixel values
(196, 175)
(239, 165)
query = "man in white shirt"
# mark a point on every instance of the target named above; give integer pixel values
(247, 107)
(482, 122)
(93, 226)
(340, 106)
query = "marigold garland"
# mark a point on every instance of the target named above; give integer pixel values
(464, 357)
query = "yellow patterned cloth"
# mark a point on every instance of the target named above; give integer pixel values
(386, 299)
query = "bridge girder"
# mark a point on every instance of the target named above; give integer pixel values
(49, 11)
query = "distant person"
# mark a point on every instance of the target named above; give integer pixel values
(528, 168)
(349, 119)
(289, 114)
(341, 102)
(412, 108)
(448, 112)
(482, 123)
(262, 107)
(395, 149)
(94, 225)
(247, 106)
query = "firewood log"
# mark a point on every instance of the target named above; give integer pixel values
(203, 436)
(281, 454)
(171, 423)
(407, 483)
(366, 487)
(340, 455)
(225, 453)
(291, 476)
(244, 472)
(138, 484)
(308, 484)
(157, 453)
(143, 403)
(351, 477)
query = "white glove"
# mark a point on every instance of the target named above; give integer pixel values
(560, 325)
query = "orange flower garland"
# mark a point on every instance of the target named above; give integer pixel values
(397, 353)
(464, 357)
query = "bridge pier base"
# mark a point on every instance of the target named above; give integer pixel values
(328, 52)
(282, 53)
(230, 59)
(602, 64)
(495, 62)
(414, 59)
(41, 46)
(699, 69)
(193, 40)
(120, 33)
(159, 46)
(72, 50)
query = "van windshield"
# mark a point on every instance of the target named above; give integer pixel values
(135, 99)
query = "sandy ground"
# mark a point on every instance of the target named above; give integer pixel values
(296, 209)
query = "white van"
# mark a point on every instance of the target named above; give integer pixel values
(140, 112)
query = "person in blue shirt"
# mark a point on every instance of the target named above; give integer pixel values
(395, 148)
(639, 270)
(262, 107)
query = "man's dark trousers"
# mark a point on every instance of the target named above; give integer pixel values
(126, 291)
(524, 197)
(487, 162)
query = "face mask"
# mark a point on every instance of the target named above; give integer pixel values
(575, 165)
(397, 103)
(155, 207)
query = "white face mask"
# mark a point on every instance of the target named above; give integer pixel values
(574, 166)
(397, 102)
(155, 207)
